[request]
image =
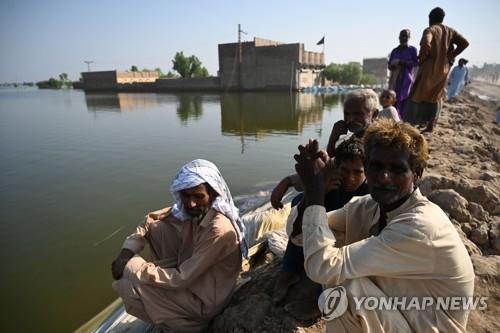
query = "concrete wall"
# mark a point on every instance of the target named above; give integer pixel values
(262, 68)
(96, 81)
(376, 67)
(119, 81)
(266, 65)
(144, 82)
(189, 84)
(130, 77)
(309, 78)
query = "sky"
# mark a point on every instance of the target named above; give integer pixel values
(41, 39)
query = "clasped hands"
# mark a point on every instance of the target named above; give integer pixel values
(312, 168)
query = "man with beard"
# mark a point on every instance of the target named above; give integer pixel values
(396, 243)
(360, 109)
(197, 246)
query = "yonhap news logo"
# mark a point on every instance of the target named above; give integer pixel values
(333, 302)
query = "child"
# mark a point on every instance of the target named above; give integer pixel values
(388, 99)
(346, 180)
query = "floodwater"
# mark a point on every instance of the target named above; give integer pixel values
(79, 171)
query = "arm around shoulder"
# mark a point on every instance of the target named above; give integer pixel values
(216, 243)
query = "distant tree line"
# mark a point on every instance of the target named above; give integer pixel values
(53, 83)
(350, 73)
(17, 84)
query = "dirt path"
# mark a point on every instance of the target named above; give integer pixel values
(487, 89)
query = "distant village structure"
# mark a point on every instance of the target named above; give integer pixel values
(110, 80)
(268, 65)
(376, 67)
(247, 66)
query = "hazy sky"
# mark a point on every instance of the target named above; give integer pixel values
(39, 39)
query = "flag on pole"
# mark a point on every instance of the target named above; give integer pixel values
(321, 41)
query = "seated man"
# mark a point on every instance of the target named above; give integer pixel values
(349, 171)
(360, 110)
(197, 247)
(396, 242)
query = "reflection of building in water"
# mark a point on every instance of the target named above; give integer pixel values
(119, 102)
(254, 114)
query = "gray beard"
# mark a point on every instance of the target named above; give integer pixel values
(197, 218)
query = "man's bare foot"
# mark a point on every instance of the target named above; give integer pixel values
(284, 281)
(304, 310)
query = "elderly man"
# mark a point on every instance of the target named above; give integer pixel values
(360, 109)
(439, 46)
(396, 242)
(197, 247)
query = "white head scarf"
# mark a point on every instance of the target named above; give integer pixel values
(201, 171)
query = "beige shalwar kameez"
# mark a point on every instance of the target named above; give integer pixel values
(192, 277)
(433, 59)
(419, 253)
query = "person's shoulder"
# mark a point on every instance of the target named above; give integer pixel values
(426, 219)
(220, 223)
(361, 201)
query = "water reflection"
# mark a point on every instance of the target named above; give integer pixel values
(243, 114)
(118, 102)
(189, 107)
(258, 114)
(331, 101)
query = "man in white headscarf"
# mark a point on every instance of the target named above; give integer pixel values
(197, 247)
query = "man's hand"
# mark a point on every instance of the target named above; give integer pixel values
(312, 170)
(279, 192)
(339, 128)
(120, 262)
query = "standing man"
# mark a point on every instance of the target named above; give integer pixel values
(197, 246)
(459, 78)
(439, 46)
(402, 61)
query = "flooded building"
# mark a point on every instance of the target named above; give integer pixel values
(376, 67)
(268, 65)
(111, 80)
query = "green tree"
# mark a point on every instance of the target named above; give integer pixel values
(134, 68)
(170, 75)
(351, 73)
(332, 72)
(50, 84)
(188, 66)
(368, 79)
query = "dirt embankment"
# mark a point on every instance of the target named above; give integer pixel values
(462, 178)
